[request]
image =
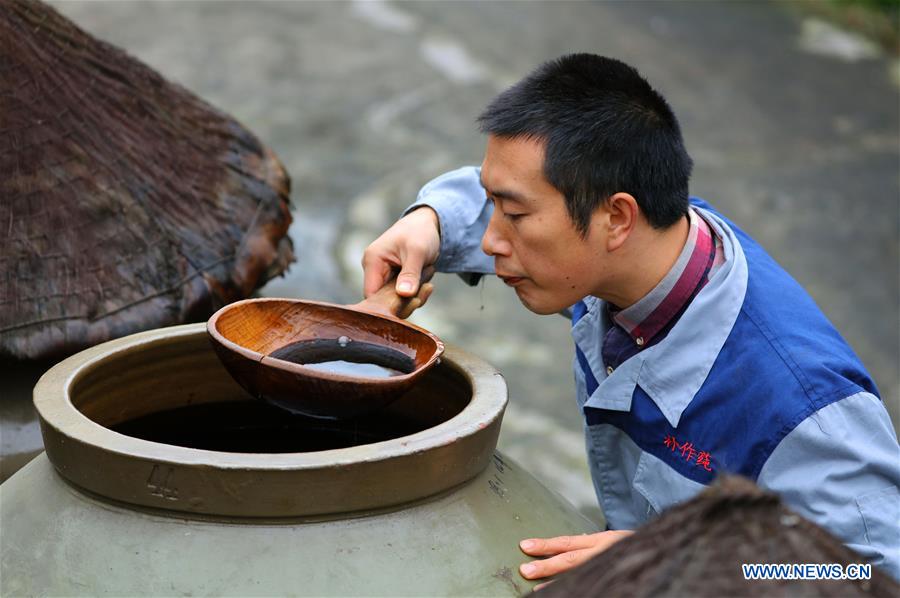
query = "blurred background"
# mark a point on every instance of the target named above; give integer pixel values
(790, 111)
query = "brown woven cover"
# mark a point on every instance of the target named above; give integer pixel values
(696, 549)
(126, 202)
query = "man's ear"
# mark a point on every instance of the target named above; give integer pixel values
(621, 217)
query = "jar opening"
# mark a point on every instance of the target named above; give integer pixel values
(256, 427)
(179, 394)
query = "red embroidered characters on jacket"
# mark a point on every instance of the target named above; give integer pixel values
(688, 452)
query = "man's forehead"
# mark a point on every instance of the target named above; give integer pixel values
(513, 168)
(525, 152)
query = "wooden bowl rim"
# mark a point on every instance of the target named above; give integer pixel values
(297, 369)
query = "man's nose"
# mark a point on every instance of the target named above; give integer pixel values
(494, 241)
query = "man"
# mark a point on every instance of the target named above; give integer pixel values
(695, 353)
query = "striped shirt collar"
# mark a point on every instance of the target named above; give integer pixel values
(672, 375)
(646, 318)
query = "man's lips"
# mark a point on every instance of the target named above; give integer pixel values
(511, 280)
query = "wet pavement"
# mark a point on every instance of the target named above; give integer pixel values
(793, 126)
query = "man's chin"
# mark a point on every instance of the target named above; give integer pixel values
(536, 306)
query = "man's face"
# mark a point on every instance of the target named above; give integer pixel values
(536, 248)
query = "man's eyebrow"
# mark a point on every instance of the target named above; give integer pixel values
(505, 194)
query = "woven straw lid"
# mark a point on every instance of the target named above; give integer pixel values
(126, 202)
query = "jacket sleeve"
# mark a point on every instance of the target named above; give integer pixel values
(841, 468)
(464, 211)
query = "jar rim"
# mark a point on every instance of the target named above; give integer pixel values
(363, 477)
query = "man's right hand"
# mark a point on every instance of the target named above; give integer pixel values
(411, 244)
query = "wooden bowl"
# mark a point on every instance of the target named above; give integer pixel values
(272, 347)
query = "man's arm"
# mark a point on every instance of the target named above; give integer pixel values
(464, 211)
(446, 233)
(841, 468)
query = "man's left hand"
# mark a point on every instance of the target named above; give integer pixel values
(565, 552)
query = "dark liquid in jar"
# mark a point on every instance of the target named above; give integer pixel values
(256, 427)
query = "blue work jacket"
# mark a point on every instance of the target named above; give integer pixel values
(752, 380)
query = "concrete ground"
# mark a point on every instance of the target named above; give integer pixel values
(793, 126)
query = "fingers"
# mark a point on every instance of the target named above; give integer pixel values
(411, 243)
(552, 546)
(417, 302)
(376, 272)
(410, 272)
(557, 564)
(425, 292)
(565, 552)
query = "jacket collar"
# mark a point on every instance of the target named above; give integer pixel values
(672, 371)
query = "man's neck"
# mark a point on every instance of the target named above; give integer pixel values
(645, 260)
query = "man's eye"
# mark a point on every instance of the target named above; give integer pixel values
(513, 217)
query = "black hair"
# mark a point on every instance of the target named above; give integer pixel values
(606, 131)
